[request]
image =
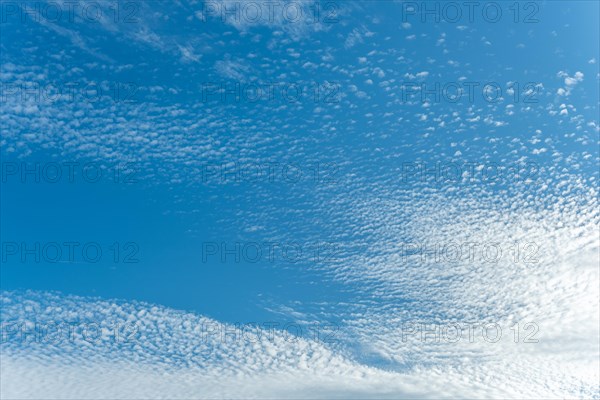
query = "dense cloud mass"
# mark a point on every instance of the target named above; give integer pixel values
(74, 347)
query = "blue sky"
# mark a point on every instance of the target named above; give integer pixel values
(328, 136)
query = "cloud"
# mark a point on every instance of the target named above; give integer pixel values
(181, 355)
(569, 81)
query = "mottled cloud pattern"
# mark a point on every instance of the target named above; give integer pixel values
(511, 183)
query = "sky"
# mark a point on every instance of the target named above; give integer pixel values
(301, 199)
